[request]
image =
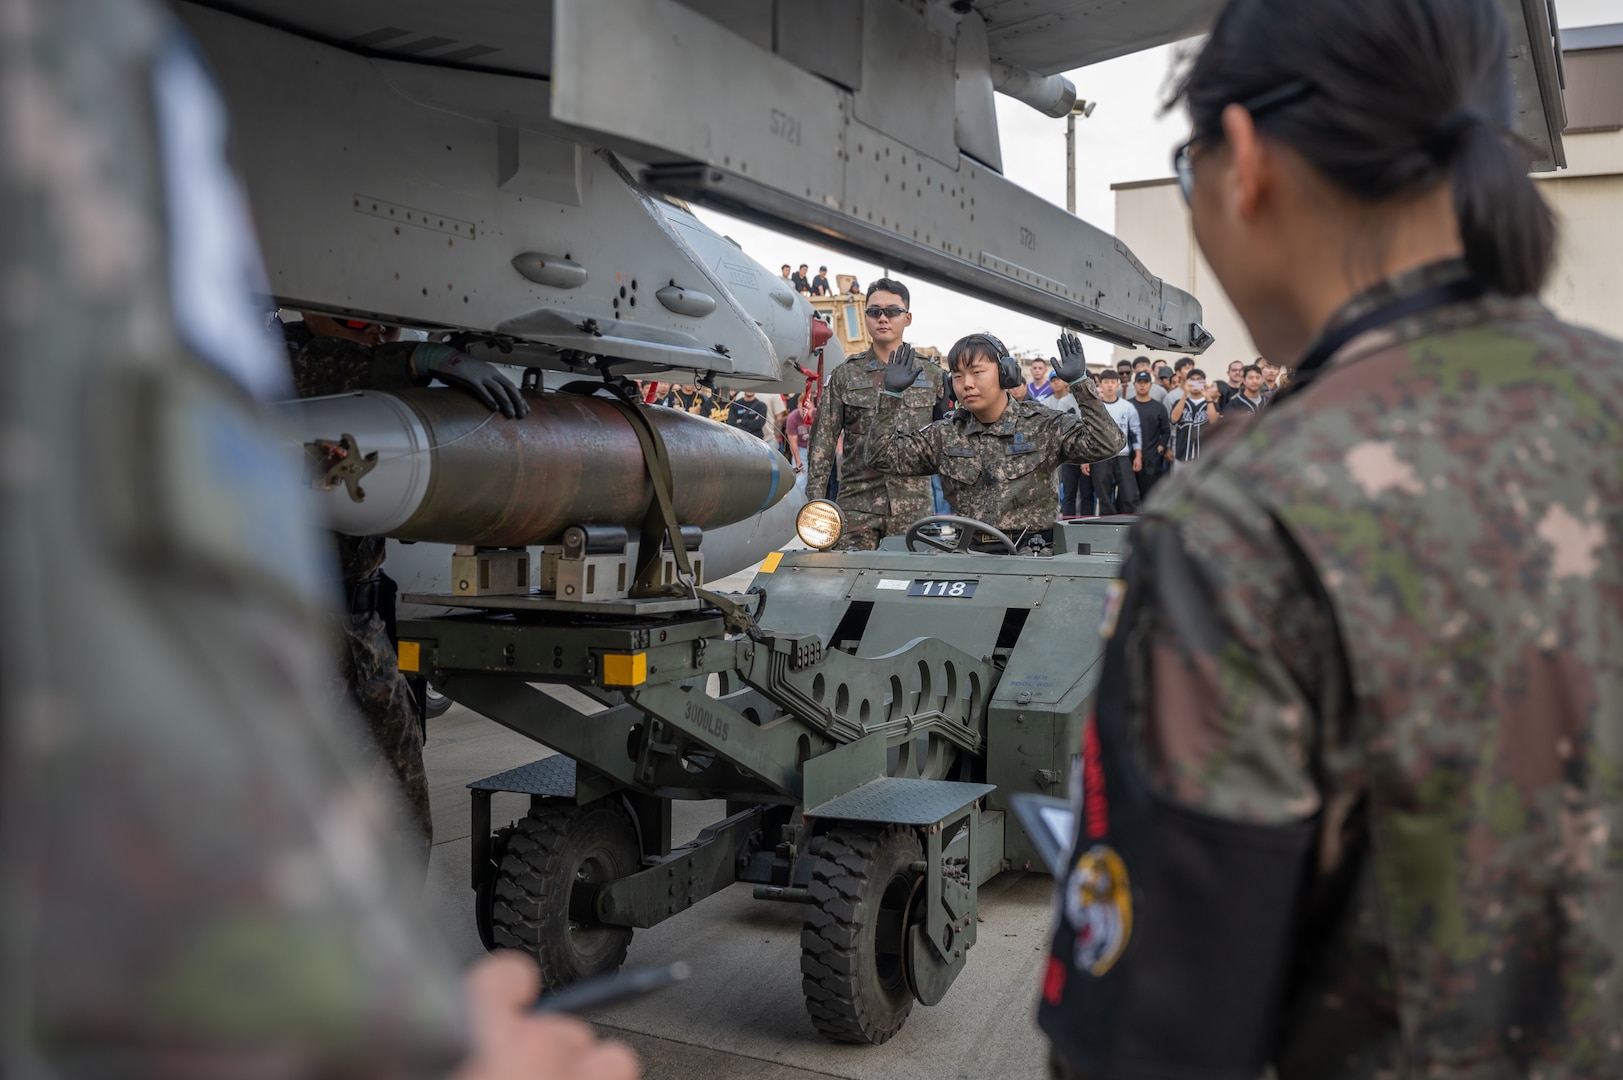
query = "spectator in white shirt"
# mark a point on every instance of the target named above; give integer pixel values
(1115, 481)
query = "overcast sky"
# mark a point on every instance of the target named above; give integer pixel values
(1125, 139)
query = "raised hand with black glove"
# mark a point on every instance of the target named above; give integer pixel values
(1073, 366)
(476, 377)
(902, 369)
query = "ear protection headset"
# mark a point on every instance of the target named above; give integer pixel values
(1008, 368)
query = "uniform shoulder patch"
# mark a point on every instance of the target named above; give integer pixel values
(1099, 907)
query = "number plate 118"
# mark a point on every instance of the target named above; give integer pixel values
(960, 589)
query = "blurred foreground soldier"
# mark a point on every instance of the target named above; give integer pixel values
(996, 456)
(1351, 801)
(194, 880)
(876, 505)
(337, 356)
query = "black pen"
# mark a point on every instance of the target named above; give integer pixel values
(611, 989)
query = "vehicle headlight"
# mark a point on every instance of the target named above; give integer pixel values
(820, 524)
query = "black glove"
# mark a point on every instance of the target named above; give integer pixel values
(1073, 366)
(901, 370)
(474, 376)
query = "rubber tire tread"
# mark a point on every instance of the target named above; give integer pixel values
(522, 914)
(845, 896)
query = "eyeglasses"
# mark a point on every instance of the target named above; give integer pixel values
(892, 312)
(1183, 162)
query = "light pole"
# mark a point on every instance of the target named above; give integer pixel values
(1081, 108)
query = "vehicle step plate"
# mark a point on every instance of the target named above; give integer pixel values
(904, 800)
(554, 775)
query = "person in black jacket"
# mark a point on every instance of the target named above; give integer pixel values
(747, 413)
(1157, 431)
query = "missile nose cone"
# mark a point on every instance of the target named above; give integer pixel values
(821, 333)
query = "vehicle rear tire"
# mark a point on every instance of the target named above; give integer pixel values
(853, 939)
(556, 853)
(484, 897)
(435, 703)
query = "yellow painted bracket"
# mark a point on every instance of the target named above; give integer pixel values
(625, 669)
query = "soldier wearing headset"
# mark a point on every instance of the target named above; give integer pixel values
(996, 455)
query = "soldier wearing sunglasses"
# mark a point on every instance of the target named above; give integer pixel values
(876, 504)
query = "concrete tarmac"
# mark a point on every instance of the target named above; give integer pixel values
(741, 1015)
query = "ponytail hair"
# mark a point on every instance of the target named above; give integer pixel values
(1508, 229)
(1404, 95)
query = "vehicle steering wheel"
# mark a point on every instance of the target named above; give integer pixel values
(966, 527)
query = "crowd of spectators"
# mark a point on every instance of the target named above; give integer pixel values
(801, 281)
(1172, 409)
(1165, 413)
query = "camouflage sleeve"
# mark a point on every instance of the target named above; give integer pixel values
(1090, 436)
(824, 442)
(1231, 656)
(894, 446)
(338, 366)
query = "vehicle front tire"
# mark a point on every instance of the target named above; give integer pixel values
(556, 854)
(852, 942)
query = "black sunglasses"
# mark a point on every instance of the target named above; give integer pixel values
(892, 312)
(1183, 164)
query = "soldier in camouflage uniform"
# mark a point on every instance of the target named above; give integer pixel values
(195, 873)
(876, 504)
(1352, 800)
(996, 455)
(333, 356)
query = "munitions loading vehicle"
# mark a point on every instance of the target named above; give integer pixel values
(501, 172)
(866, 732)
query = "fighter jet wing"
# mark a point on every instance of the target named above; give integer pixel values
(1051, 36)
(490, 165)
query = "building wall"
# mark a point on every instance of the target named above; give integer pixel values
(1588, 199)
(1584, 287)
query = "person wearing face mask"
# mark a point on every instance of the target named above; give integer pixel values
(1351, 802)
